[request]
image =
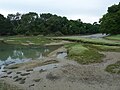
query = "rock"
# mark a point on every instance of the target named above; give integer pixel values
(15, 77)
(31, 85)
(55, 67)
(9, 72)
(10, 76)
(42, 70)
(4, 71)
(36, 80)
(4, 76)
(18, 79)
(8, 63)
(25, 74)
(29, 70)
(22, 81)
(13, 67)
(18, 72)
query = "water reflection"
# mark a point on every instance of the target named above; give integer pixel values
(18, 52)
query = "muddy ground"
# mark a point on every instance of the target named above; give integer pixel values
(65, 75)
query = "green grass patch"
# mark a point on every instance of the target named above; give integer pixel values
(114, 37)
(114, 68)
(84, 55)
(26, 40)
(106, 48)
(100, 41)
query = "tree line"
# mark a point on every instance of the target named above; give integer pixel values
(48, 24)
(44, 24)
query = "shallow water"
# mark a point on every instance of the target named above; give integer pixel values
(10, 54)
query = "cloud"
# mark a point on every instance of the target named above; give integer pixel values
(89, 10)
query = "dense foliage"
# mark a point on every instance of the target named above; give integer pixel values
(44, 24)
(110, 22)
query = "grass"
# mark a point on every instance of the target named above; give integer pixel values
(26, 40)
(100, 41)
(83, 55)
(105, 48)
(113, 37)
(114, 68)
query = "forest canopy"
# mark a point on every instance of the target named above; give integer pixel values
(110, 22)
(44, 24)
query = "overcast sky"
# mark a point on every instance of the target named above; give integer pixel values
(86, 10)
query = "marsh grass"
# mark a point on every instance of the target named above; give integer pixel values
(84, 55)
(113, 37)
(99, 41)
(113, 68)
(105, 48)
(26, 40)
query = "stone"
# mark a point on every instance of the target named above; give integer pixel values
(42, 70)
(36, 80)
(18, 72)
(18, 79)
(31, 85)
(4, 76)
(25, 74)
(22, 81)
(29, 70)
(15, 77)
(9, 72)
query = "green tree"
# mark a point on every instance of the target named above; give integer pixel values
(5, 26)
(110, 22)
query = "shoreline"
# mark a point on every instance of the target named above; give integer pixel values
(66, 75)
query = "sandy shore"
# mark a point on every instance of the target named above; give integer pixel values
(65, 74)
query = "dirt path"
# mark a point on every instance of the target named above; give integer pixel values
(69, 75)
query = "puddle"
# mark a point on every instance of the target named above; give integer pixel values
(61, 55)
(46, 67)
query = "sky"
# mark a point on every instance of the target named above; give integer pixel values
(88, 11)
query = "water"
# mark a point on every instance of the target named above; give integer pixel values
(10, 54)
(62, 55)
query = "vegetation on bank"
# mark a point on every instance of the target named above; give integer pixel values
(44, 24)
(110, 22)
(26, 40)
(105, 48)
(99, 41)
(113, 68)
(48, 24)
(113, 37)
(83, 55)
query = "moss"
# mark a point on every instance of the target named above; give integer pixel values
(113, 68)
(84, 55)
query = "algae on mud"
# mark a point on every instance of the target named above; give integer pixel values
(113, 68)
(84, 55)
